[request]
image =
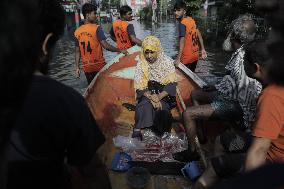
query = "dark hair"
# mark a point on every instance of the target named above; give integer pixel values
(255, 52)
(180, 5)
(16, 64)
(274, 13)
(88, 8)
(25, 26)
(51, 19)
(124, 9)
(276, 67)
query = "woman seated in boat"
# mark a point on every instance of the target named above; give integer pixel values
(155, 83)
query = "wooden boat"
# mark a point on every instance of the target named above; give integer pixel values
(110, 89)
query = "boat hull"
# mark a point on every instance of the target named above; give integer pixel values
(107, 93)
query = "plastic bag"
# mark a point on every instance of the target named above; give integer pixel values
(152, 148)
(128, 143)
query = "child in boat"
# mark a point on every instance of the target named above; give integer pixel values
(155, 84)
(90, 39)
(234, 97)
(189, 38)
(231, 148)
(122, 32)
(268, 130)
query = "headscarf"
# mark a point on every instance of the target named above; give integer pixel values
(162, 71)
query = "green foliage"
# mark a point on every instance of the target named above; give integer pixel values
(193, 6)
(146, 13)
(235, 8)
(115, 3)
(110, 3)
(227, 11)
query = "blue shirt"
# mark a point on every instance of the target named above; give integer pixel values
(182, 30)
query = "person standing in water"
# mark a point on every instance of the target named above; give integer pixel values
(122, 32)
(189, 38)
(90, 39)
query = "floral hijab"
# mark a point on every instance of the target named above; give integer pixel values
(162, 71)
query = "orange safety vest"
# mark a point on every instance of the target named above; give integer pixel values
(120, 31)
(90, 48)
(190, 51)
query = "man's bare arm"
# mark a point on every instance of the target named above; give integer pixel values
(257, 153)
(135, 40)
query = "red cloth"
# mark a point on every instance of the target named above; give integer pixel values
(270, 121)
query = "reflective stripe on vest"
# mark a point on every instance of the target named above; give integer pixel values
(90, 48)
(190, 51)
(120, 31)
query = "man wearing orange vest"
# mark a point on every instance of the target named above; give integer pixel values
(122, 32)
(90, 40)
(190, 38)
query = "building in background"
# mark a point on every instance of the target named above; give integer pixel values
(136, 5)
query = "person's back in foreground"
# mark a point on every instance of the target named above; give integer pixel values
(54, 123)
(17, 64)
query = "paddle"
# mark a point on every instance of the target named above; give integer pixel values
(197, 143)
(201, 84)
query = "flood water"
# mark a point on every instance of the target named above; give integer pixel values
(62, 66)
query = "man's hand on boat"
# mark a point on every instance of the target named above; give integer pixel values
(124, 52)
(203, 54)
(176, 62)
(77, 71)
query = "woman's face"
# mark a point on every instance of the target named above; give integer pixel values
(151, 56)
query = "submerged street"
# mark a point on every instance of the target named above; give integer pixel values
(62, 65)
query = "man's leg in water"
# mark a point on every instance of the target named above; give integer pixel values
(190, 116)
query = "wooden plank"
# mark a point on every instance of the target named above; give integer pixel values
(192, 75)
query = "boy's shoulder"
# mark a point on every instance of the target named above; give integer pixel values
(86, 28)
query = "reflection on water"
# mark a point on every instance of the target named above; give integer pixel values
(62, 66)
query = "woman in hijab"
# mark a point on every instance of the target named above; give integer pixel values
(155, 83)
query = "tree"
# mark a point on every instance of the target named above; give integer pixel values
(106, 4)
(193, 6)
(236, 8)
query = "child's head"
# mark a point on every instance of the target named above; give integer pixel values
(89, 12)
(180, 9)
(126, 13)
(256, 60)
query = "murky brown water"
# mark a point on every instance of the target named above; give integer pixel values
(62, 66)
